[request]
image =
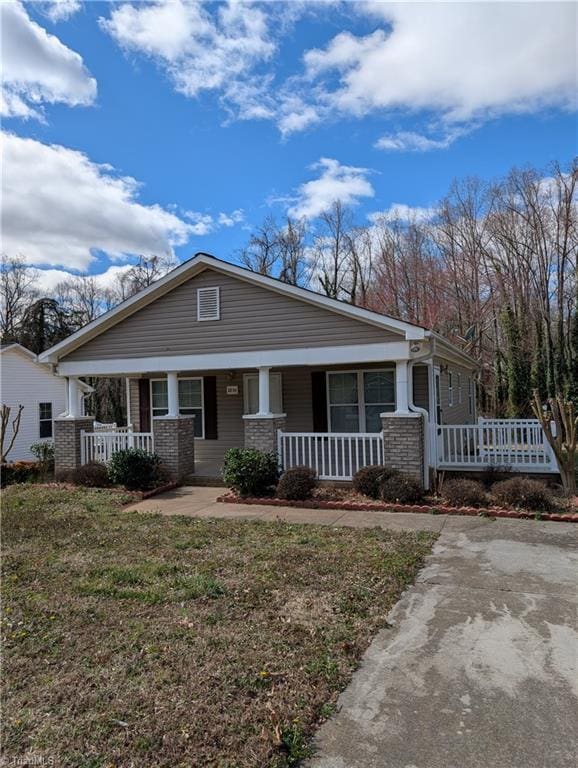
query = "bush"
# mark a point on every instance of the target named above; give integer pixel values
(367, 480)
(401, 488)
(493, 474)
(297, 484)
(44, 453)
(522, 492)
(136, 469)
(19, 472)
(91, 475)
(250, 472)
(464, 493)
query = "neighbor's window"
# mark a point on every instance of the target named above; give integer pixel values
(450, 388)
(190, 400)
(459, 375)
(471, 392)
(45, 419)
(251, 393)
(356, 398)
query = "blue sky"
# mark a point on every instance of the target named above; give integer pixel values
(224, 119)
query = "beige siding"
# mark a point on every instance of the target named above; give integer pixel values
(420, 387)
(252, 318)
(134, 415)
(458, 413)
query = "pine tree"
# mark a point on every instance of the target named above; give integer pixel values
(517, 367)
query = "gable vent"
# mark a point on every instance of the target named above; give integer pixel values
(208, 305)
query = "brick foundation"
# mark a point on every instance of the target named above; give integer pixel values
(403, 443)
(175, 444)
(67, 444)
(261, 432)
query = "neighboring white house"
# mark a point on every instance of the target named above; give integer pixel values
(43, 395)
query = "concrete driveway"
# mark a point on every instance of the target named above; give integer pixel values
(478, 669)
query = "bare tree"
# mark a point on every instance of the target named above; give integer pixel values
(261, 254)
(291, 246)
(5, 412)
(332, 252)
(17, 291)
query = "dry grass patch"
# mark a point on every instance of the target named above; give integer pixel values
(140, 640)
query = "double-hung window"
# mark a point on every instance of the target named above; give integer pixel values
(450, 388)
(45, 420)
(471, 393)
(190, 401)
(357, 398)
(251, 393)
(459, 375)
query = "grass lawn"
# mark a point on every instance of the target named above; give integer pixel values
(140, 640)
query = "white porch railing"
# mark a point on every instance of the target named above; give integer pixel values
(519, 444)
(334, 456)
(99, 446)
(99, 426)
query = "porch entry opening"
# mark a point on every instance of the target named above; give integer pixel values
(355, 399)
(191, 400)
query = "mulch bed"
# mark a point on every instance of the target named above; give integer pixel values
(432, 508)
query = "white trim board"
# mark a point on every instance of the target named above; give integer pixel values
(389, 351)
(198, 264)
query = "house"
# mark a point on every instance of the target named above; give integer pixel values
(42, 394)
(217, 356)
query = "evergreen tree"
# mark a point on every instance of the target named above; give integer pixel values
(517, 367)
(539, 372)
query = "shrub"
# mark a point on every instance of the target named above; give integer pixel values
(522, 492)
(464, 493)
(493, 474)
(136, 469)
(401, 488)
(250, 472)
(19, 472)
(44, 453)
(297, 484)
(91, 475)
(367, 480)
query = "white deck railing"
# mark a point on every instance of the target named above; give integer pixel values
(518, 444)
(334, 456)
(99, 446)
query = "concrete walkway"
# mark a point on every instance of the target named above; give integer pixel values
(196, 501)
(478, 667)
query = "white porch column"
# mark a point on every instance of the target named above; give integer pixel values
(264, 398)
(173, 394)
(401, 387)
(73, 398)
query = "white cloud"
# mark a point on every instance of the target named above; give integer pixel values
(37, 68)
(409, 141)
(204, 47)
(461, 61)
(61, 10)
(403, 212)
(336, 182)
(59, 206)
(230, 219)
(201, 223)
(48, 279)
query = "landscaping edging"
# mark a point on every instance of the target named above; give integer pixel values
(439, 509)
(155, 491)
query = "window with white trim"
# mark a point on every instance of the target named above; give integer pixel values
(208, 304)
(45, 420)
(459, 377)
(355, 399)
(251, 393)
(471, 391)
(450, 388)
(190, 401)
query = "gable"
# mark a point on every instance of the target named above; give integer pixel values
(252, 318)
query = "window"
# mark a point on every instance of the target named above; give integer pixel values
(450, 388)
(190, 401)
(356, 399)
(208, 304)
(459, 375)
(471, 392)
(251, 393)
(45, 419)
